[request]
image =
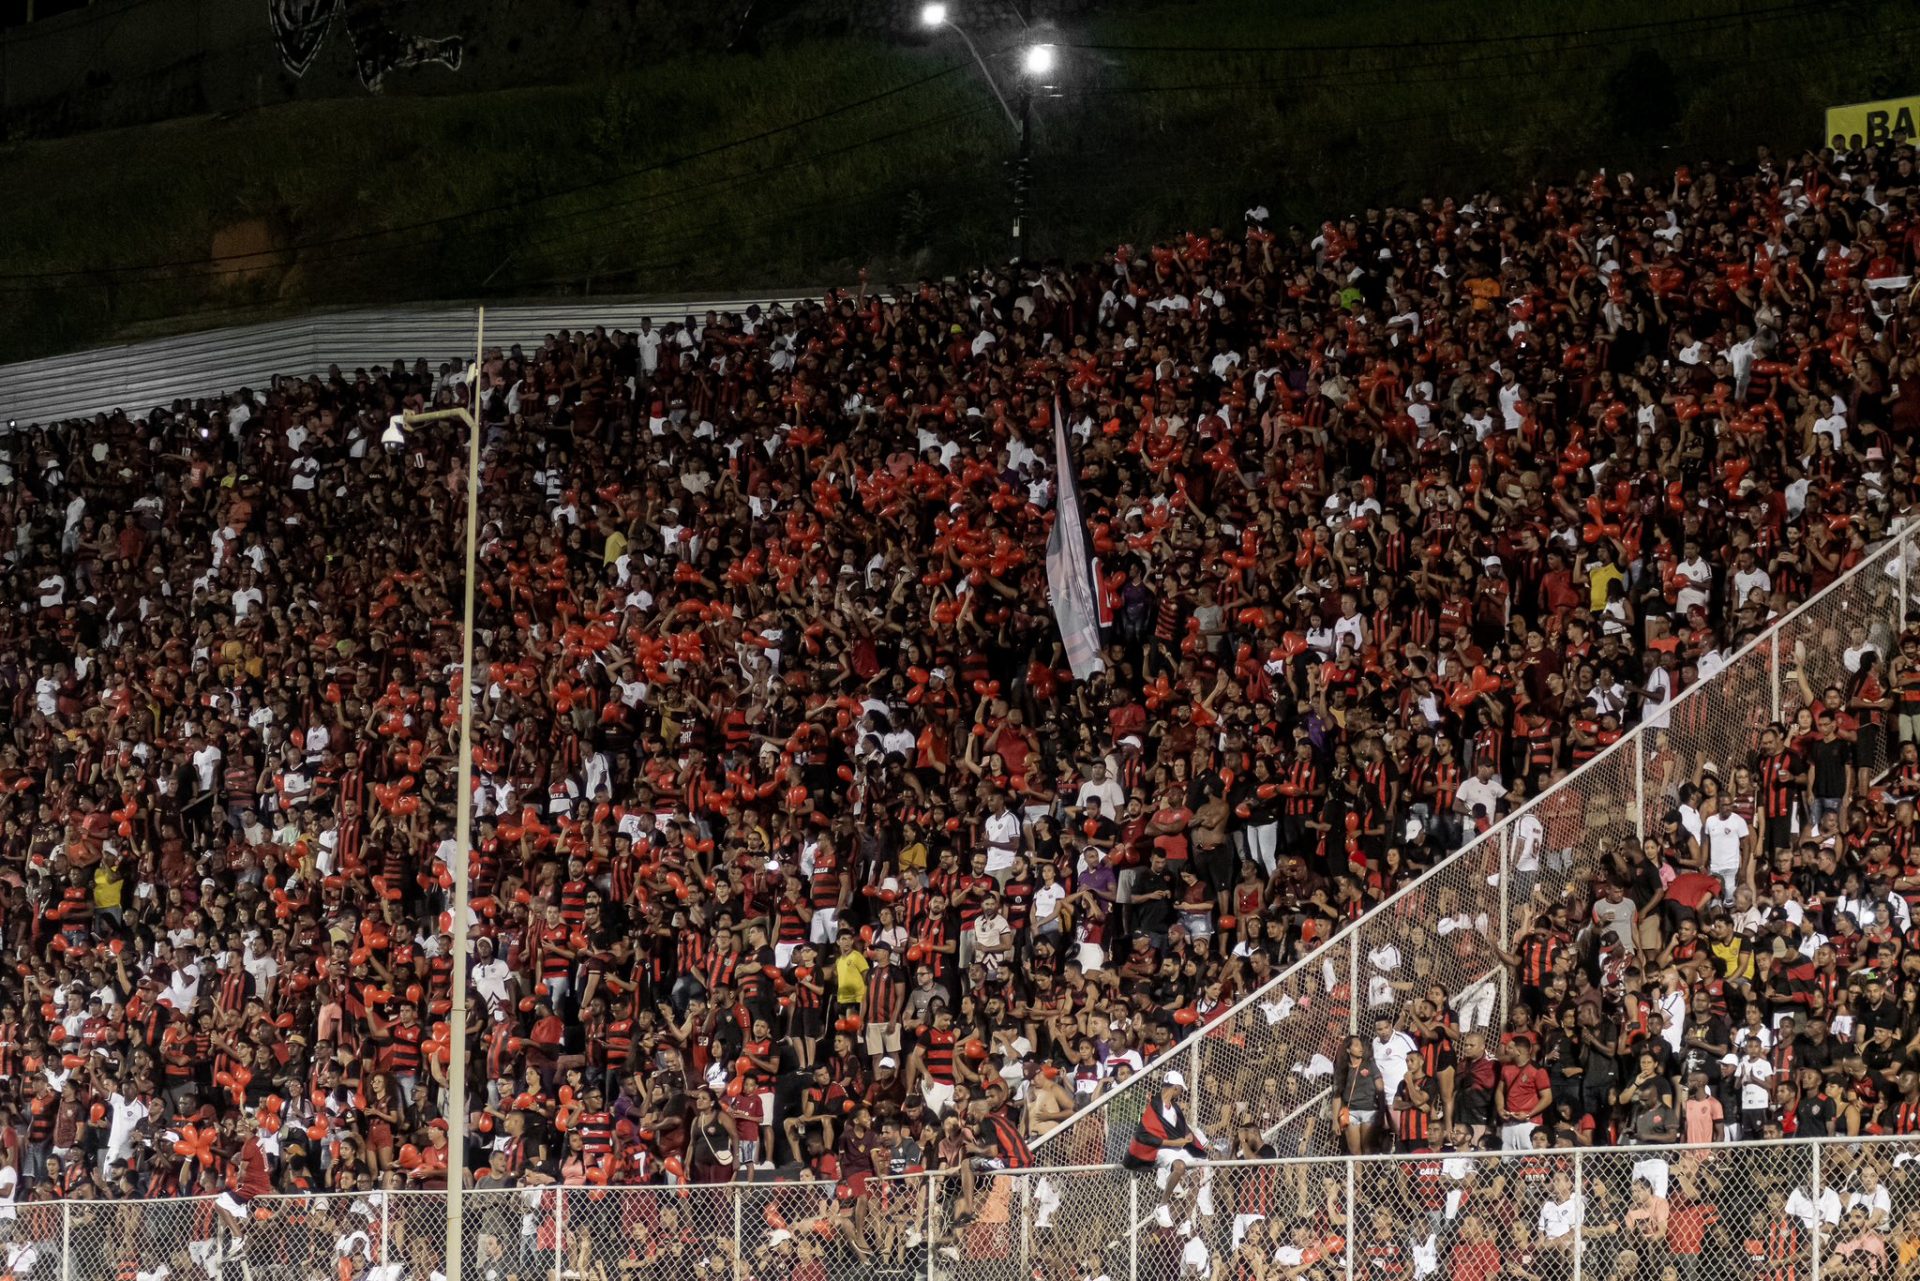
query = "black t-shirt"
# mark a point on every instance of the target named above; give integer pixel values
(1155, 915)
(1814, 1117)
(1809, 1053)
(1831, 763)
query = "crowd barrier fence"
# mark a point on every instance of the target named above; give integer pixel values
(1794, 1208)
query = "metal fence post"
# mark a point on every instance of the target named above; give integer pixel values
(932, 1240)
(1579, 1214)
(739, 1234)
(1640, 785)
(1023, 1205)
(559, 1231)
(1193, 1083)
(66, 1240)
(1900, 576)
(1353, 1219)
(1133, 1234)
(1773, 671)
(1506, 915)
(1817, 1224)
(1354, 994)
(386, 1223)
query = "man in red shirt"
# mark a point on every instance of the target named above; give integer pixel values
(1522, 1095)
(1474, 1256)
(249, 1178)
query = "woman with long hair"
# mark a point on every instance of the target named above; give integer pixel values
(1358, 1100)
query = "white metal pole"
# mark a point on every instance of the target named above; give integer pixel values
(1773, 672)
(559, 1231)
(1579, 1212)
(931, 1241)
(1506, 915)
(1193, 1086)
(386, 1224)
(1026, 1220)
(739, 1234)
(1816, 1210)
(66, 1240)
(1353, 982)
(1353, 1218)
(463, 826)
(1640, 786)
(1900, 562)
(1133, 1234)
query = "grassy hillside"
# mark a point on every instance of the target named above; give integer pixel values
(792, 166)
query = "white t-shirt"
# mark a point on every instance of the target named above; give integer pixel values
(126, 1115)
(1473, 792)
(1725, 832)
(1557, 1218)
(1003, 840)
(206, 763)
(1390, 1056)
(1746, 580)
(1756, 1081)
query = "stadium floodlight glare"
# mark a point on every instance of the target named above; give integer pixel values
(933, 15)
(1039, 59)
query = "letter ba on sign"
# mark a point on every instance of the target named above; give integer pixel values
(1873, 124)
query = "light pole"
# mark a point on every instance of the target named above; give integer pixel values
(1037, 61)
(463, 805)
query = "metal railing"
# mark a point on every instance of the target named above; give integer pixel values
(1786, 1207)
(218, 362)
(1446, 930)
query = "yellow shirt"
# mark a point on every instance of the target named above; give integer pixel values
(1732, 958)
(850, 977)
(106, 888)
(1597, 580)
(616, 547)
(913, 857)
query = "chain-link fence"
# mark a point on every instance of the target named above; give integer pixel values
(1787, 1211)
(1791, 1210)
(1443, 937)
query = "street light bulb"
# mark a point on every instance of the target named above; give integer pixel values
(1039, 59)
(933, 15)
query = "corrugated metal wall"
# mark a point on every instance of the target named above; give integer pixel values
(138, 376)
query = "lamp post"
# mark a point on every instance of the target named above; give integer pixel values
(463, 808)
(1037, 61)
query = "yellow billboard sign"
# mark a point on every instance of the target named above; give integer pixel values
(1874, 124)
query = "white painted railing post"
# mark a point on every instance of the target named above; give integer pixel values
(1354, 994)
(1579, 1214)
(1773, 672)
(739, 1234)
(1133, 1236)
(932, 1240)
(1353, 1219)
(1814, 1236)
(1506, 918)
(1640, 786)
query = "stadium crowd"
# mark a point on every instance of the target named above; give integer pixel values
(799, 851)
